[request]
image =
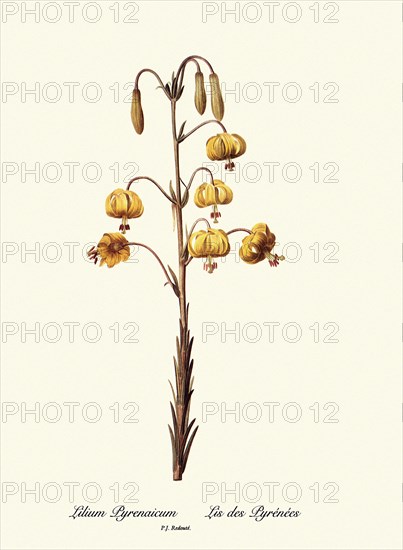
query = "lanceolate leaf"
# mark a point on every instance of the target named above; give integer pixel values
(188, 429)
(186, 411)
(176, 373)
(174, 84)
(185, 253)
(180, 93)
(174, 421)
(173, 392)
(189, 375)
(188, 398)
(178, 349)
(171, 189)
(187, 450)
(174, 277)
(181, 129)
(176, 290)
(173, 445)
(190, 347)
(185, 197)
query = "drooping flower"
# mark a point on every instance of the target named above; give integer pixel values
(213, 194)
(137, 112)
(225, 147)
(209, 244)
(112, 249)
(217, 102)
(124, 204)
(200, 93)
(258, 245)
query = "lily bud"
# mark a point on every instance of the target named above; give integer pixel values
(217, 102)
(137, 112)
(200, 93)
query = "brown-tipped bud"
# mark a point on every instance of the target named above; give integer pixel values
(137, 112)
(217, 102)
(200, 93)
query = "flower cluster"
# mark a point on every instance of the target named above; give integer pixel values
(214, 243)
(113, 248)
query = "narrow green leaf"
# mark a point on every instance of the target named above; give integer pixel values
(178, 349)
(187, 450)
(189, 350)
(185, 253)
(174, 277)
(175, 422)
(173, 445)
(171, 190)
(173, 392)
(181, 130)
(188, 429)
(176, 290)
(185, 197)
(180, 93)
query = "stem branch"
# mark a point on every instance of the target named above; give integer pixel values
(157, 258)
(201, 169)
(239, 229)
(212, 121)
(136, 82)
(152, 181)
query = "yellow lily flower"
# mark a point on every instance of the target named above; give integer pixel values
(111, 249)
(209, 244)
(213, 194)
(258, 245)
(124, 204)
(225, 147)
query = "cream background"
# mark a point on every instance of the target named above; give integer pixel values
(360, 213)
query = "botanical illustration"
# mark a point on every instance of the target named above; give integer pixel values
(201, 243)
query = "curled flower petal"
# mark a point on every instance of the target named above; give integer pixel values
(112, 249)
(225, 146)
(124, 204)
(258, 246)
(213, 242)
(209, 194)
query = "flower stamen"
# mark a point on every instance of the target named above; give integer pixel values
(215, 213)
(230, 166)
